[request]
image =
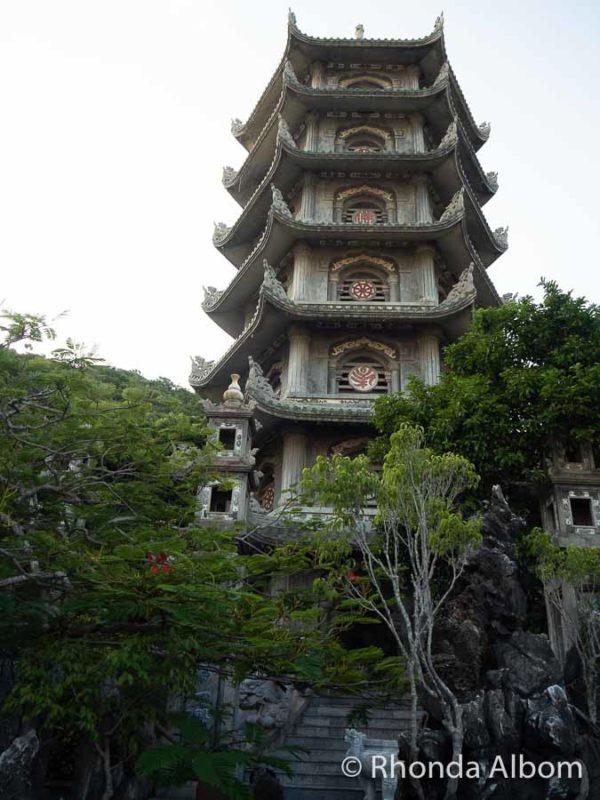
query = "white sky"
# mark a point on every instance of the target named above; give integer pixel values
(115, 127)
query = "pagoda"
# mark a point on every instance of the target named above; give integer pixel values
(361, 250)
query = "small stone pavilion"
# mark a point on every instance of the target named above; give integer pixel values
(361, 249)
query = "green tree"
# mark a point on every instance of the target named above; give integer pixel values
(524, 379)
(571, 578)
(111, 594)
(411, 556)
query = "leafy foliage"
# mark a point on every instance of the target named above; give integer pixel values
(524, 378)
(111, 593)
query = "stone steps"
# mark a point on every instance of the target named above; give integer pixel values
(320, 733)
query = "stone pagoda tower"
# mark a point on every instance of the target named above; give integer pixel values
(361, 250)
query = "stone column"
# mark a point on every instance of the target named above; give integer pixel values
(312, 132)
(394, 287)
(426, 269)
(429, 357)
(418, 137)
(299, 353)
(301, 274)
(307, 203)
(317, 75)
(293, 461)
(422, 204)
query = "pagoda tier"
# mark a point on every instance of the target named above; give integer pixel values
(418, 224)
(419, 60)
(453, 246)
(361, 250)
(430, 112)
(453, 152)
(275, 312)
(449, 167)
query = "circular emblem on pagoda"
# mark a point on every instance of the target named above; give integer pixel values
(363, 378)
(362, 290)
(364, 216)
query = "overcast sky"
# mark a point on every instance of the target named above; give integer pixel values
(116, 118)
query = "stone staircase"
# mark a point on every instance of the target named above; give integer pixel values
(320, 732)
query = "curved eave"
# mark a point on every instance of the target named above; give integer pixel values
(298, 411)
(479, 231)
(301, 50)
(453, 318)
(295, 100)
(274, 314)
(288, 163)
(477, 138)
(292, 229)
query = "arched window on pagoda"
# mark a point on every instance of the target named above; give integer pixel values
(362, 366)
(363, 284)
(365, 81)
(363, 278)
(364, 205)
(362, 372)
(363, 139)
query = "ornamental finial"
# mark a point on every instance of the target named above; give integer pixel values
(236, 126)
(233, 394)
(484, 129)
(439, 23)
(359, 31)
(492, 179)
(292, 19)
(229, 175)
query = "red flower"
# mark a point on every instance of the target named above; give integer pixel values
(154, 569)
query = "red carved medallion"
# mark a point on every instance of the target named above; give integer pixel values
(364, 216)
(363, 378)
(362, 290)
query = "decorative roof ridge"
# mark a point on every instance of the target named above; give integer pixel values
(241, 127)
(479, 265)
(435, 35)
(499, 237)
(202, 370)
(490, 178)
(226, 232)
(463, 290)
(483, 129)
(351, 91)
(277, 296)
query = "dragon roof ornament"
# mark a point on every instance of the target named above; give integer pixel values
(211, 297)
(439, 23)
(501, 237)
(484, 129)
(290, 74)
(237, 126)
(229, 175)
(492, 179)
(451, 135)
(221, 232)
(442, 75)
(257, 385)
(463, 288)
(292, 19)
(284, 133)
(279, 203)
(455, 207)
(271, 282)
(200, 369)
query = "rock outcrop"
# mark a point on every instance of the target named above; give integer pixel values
(508, 681)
